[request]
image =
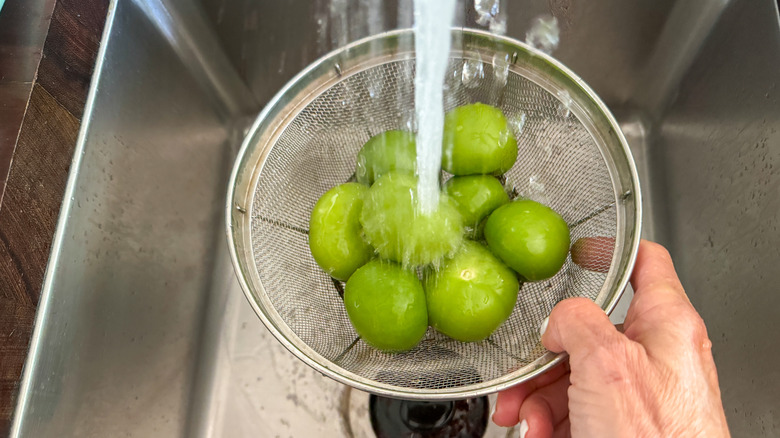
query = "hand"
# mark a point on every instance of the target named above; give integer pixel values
(656, 379)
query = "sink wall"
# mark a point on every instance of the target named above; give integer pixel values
(720, 145)
(118, 330)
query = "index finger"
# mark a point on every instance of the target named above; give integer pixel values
(654, 270)
(660, 311)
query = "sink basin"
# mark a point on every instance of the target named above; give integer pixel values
(142, 329)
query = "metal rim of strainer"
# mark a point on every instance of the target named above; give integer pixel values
(389, 47)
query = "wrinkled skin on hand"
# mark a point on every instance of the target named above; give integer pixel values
(656, 379)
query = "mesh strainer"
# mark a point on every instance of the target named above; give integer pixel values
(572, 157)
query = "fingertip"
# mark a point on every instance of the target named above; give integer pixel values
(575, 325)
(503, 421)
(506, 410)
(653, 265)
(564, 311)
(536, 421)
(655, 250)
(507, 407)
(654, 271)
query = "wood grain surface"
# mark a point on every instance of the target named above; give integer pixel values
(23, 29)
(37, 178)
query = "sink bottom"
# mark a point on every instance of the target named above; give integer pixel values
(258, 388)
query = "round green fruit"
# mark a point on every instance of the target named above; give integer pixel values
(335, 233)
(529, 237)
(475, 197)
(477, 140)
(393, 224)
(386, 305)
(471, 294)
(385, 152)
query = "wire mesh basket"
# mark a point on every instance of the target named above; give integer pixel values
(572, 157)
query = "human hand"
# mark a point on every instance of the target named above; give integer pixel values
(657, 378)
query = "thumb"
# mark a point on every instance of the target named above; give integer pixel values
(578, 326)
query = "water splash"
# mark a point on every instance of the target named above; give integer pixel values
(405, 18)
(536, 190)
(544, 34)
(341, 21)
(486, 10)
(547, 151)
(472, 73)
(409, 122)
(322, 32)
(564, 106)
(375, 86)
(452, 82)
(498, 26)
(491, 14)
(374, 17)
(432, 21)
(338, 23)
(535, 185)
(501, 68)
(517, 122)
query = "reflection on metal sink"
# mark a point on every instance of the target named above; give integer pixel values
(142, 329)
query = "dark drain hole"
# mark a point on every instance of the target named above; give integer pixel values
(392, 418)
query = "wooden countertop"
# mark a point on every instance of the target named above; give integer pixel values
(40, 116)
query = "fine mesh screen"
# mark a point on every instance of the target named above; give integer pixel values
(559, 164)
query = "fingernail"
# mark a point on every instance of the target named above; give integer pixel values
(523, 427)
(543, 327)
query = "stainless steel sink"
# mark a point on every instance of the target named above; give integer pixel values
(142, 330)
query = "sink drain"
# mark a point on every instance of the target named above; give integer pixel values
(392, 418)
(365, 412)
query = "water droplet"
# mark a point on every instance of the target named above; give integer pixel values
(548, 151)
(411, 124)
(374, 89)
(448, 156)
(518, 123)
(544, 34)
(498, 26)
(486, 10)
(501, 68)
(489, 14)
(536, 190)
(503, 137)
(473, 72)
(534, 184)
(564, 107)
